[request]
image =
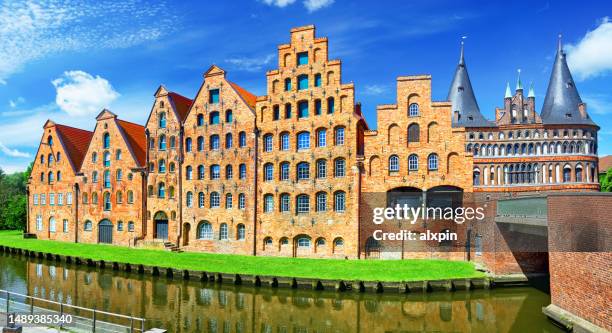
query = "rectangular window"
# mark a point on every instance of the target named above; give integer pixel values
(287, 84)
(69, 198)
(60, 199)
(321, 169)
(213, 96)
(241, 201)
(322, 138)
(302, 58)
(43, 199)
(35, 199)
(318, 107)
(51, 199)
(284, 141)
(339, 136)
(303, 141)
(302, 82)
(39, 223)
(317, 80)
(65, 225)
(215, 172)
(284, 204)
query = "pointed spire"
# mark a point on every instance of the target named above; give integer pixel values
(519, 84)
(531, 93)
(562, 101)
(508, 92)
(461, 96)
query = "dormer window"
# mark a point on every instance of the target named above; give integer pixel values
(568, 115)
(569, 84)
(460, 89)
(470, 118)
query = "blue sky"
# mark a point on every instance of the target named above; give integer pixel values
(68, 61)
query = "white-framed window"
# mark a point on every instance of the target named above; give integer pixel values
(241, 201)
(65, 225)
(268, 172)
(284, 202)
(321, 202)
(201, 200)
(303, 242)
(215, 200)
(39, 223)
(321, 138)
(321, 168)
(51, 199)
(35, 199)
(240, 235)
(303, 204)
(268, 143)
(339, 201)
(303, 171)
(69, 198)
(393, 163)
(284, 171)
(229, 201)
(339, 137)
(413, 110)
(284, 141)
(339, 168)
(205, 231)
(432, 162)
(60, 199)
(43, 199)
(52, 226)
(303, 140)
(223, 231)
(268, 203)
(189, 199)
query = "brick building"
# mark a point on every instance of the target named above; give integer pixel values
(296, 172)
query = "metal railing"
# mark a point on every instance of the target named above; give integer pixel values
(83, 319)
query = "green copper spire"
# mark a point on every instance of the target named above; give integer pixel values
(531, 92)
(519, 84)
(508, 93)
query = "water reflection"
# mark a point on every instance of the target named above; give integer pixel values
(181, 306)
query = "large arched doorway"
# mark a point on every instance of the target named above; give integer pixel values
(160, 221)
(105, 232)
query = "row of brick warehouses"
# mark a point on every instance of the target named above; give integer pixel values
(295, 172)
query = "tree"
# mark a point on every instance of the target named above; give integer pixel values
(605, 181)
(13, 200)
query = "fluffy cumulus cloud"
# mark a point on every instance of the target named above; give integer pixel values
(591, 56)
(80, 93)
(250, 64)
(13, 152)
(32, 30)
(313, 5)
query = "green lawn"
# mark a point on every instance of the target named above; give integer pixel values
(363, 270)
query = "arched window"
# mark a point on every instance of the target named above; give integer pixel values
(118, 154)
(321, 202)
(162, 120)
(229, 201)
(94, 198)
(393, 163)
(189, 199)
(189, 172)
(213, 118)
(88, 226)
(50, 141)
(161, 190)
(578, 173)
(268, 203)
(215, 172)
(268, 172)
(200, 120)
(302, 109)
(214, 142)
(284, 203)
(302, 204)
(303, 171)
(242, 171)
(223, 231)
(339, 168)
(267, 143)
(240, 232)
(205, 231)
(161, 166)
(303, 139)
(58, 156)
(413, 110)
(284, 141)
(432, 162)
(413, 133)
(107, 179)
(241, 201)
(321, 137)
(330, 105)
(567, 174)
(229, 116)
(106, 141)
(107, 159)
(200, 172)
(84, 199)
(119, 197)
(229, 172)
(215, 200)
(242, 139)
(50, 177)
(59, 176)
(339, 136)
(413, 162)
(321, 168)
(476, 177)
(188, 145)
(200, 143)
(119, 175)
(229, 142)
(287, 84)
(107, 201)
(284, 171)
(288, 111)
(130, 197)
(339, 201)
(303, 242)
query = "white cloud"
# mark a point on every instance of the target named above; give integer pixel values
(251, 64)
(598, 103)
(79, 93)
(590, 57)
(278, 3)
(31, 31)
(313, 5)
(13, 103)
(375, 89)
(13, 152)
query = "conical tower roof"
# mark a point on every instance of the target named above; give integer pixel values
(562, 98)
(461, 95)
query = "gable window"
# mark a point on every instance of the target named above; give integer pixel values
(287, 84)
(213, 96)
(413, 110)
(317, 80)
(213, 118)
(302, 58)
(50, 141)
(161, 190)
(107, 182)
(200, 143)
(200, 120)
(119, 173)
(302, 109)
(229, 116)
(107, 159)
(162, 142)
(229, 141)
(106, 141)
(302, 82)
(94, 157)
(118, 155)
(242, 139)
(162, 120)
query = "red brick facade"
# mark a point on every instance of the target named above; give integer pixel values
(287, 173)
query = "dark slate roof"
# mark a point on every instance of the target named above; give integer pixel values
(562, 98)
(461, 95)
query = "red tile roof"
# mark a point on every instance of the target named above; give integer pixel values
(182, 103)
(136, 139)
(605, 163)
(76, 141)
(249, 98)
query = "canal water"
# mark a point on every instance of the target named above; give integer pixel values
(181, 306)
